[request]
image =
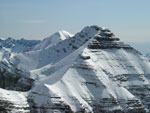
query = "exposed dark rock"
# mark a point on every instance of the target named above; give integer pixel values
(14, 80)
(8, 107)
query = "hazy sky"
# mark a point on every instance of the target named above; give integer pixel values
(37, 19)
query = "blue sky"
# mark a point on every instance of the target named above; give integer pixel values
(37, 19)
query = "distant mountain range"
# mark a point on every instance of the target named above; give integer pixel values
(89, 72)
(10, 46)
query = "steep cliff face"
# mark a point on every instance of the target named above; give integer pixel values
(93, 71)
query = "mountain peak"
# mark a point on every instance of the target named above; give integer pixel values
(94, 30)
(64, 34)
(53, 39)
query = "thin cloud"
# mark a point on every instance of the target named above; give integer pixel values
(33, 21)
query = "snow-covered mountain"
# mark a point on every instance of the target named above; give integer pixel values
(90, 72)
(53, 39)
(18, 46)
(10, 46)
(43, 53)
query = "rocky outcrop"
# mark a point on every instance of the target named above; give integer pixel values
(13, 82)
(9, 107)
(13, 102)
(49, 108)
(14, 79)
(107, 40)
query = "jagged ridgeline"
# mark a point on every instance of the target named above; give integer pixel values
(89, 72)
